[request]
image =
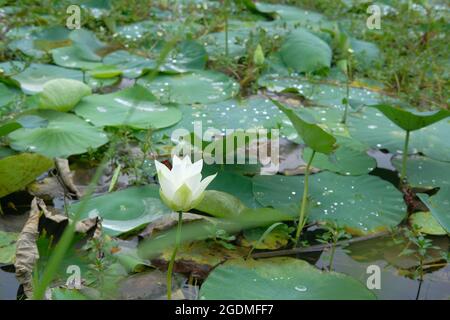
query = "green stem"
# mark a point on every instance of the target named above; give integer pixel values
(405, 158)
(226, 27)
(344, 118)
(333, 250)
(302, 220)
(172, 258)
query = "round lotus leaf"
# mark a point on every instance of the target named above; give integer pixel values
(123, 211)
(33, 77)
(425, 172)
(134, 106)
(303, 51)
(64, 135)
(279, 278)
(194, 87)
(362, 204)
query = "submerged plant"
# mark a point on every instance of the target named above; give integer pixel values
(182, 189)
(319, 141)
(410, 120)
(332, 236)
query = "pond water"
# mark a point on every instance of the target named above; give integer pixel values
(353, 260)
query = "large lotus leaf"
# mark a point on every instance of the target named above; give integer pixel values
(302, 51)
(350, 158)
(33, 77)
(252, 113)
(38, 42)
(8, 247)
(411, 120)
(186, 56)
(362, 204)
(279, 278)
(62, 94)
(82, 54)
(64, 135)
(426, 222)
(132, 65)
(134, 106)
(17, 171)
(439, 205)
(314, 136)
(193, 87)
(125, 210)
(425, 172)
(372, 128)
(433, 140)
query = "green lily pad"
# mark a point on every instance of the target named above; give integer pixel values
(186, 56)
(372, 128)
(131, 65)
(425, 172)
(134, 106)
(314, 136)
(362, 204)
(33, 78)
(302, 51)
(433, 140)
(64, 135)
(279, 278)
(426, 223)
(411, 120)
(82, 54)
(17, 171)
(193, 87)
(252, 113)
(439, 205)
(38, 42)
(62, 94)
(350, 158)
(8, 247)
(124, 211)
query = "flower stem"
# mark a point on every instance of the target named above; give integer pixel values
(302, 220)
(172, 258)
(405, 158)
(344, 118)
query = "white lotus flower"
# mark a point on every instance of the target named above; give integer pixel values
(182, 187)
